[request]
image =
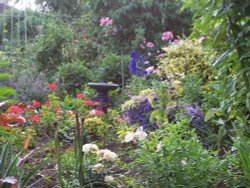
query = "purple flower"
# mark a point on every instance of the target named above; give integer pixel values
(133, 69)
(140, 115)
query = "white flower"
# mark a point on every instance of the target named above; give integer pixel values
(92, 112)
(158, 147)
(110, 156)
(141, 134)
(183, 162)
(98, 168)
(108, 179)
(107, 155)
(129, 137)
(89, 148)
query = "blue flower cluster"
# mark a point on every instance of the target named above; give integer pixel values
(140, 115)
(134, 68)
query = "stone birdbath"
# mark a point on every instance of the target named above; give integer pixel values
(102, 93)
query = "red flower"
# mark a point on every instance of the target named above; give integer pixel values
(52, 87)
(88, 103)
(15, 110)
(47, 104)
(34, 119)
(57, 110)
(11, 120)
(99, 112)
(36, 103)
(80, 96)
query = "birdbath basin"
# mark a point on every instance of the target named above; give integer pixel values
(102, 92)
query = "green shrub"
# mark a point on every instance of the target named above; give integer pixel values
(174, 157)
(73, 76)
(112, 68)
(184, 58)
(4, 91)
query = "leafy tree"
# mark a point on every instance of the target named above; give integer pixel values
(135, 20)
(226, 24)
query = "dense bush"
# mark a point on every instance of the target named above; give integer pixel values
(112, 68)
(73, 76)
(4, 91)
(136, 20)
(186, 57)
(174, 157)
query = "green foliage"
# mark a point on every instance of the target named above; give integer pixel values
(66, 9)
(5, 92)
(184, 58)
(192, 89)
(18, 27)
(73, 76)
(11, 167)
(225, 23)
(242, 143)
(28, 84)
(52, 45)
(136, 85)
(135, 20)
(173, 157)
(112, 68)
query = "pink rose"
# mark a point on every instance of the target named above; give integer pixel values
(150, 45)
(150, 69)
(166, 36)
(142, 46)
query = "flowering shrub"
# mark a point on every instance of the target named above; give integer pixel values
(138, 110)
(175, 157)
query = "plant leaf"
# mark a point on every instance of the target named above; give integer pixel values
(222, 57)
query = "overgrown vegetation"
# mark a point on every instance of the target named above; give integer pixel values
(179, 118)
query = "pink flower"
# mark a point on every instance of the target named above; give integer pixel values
(36, 103)
(150, 45)
(146, 62)
(176, 41)
(142, 46)
(202, 39)
(160, 56)
(166, 36)
(15, 110)
(150, 69)
(34, 119)
(106, 21)
(80, 96)
(52, 87)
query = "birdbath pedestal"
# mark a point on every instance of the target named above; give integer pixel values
(102, 93)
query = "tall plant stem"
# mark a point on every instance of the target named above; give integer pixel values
(79, 142)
